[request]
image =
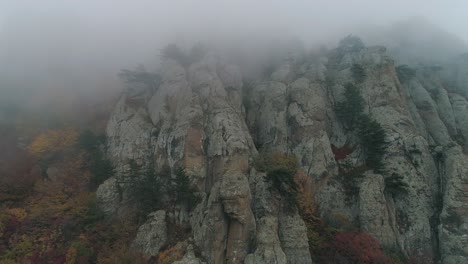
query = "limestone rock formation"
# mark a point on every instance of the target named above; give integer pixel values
(202, 118)
(152, 235)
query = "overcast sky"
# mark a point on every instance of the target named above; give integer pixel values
(71, 38)
(299, 16)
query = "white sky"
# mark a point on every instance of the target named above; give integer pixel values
(298, 16)
(85, 42)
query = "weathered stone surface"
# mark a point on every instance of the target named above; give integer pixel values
(460, 112)
(456, 75)
(307, 115)
(152, 235)
(108, 196)
(53, 173)
(453, 229)
(209, 216)
(373, 210)
(199, 119)
(235, 195)
(284, 73)
(317, 69)
(267, 115)
(170, 95)
(428, 111)
(268, 244)
(129, 135)
(293, 237)
(444, 108)
(394, 107)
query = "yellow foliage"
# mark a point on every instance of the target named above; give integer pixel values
(71, 255)
(306, 204)
(59, 204)
(23, 247)
(53, 141)
(18, 213)
(7, 214)
(170, 255)
(83, 237)
(341, 221)
(267, 162)
(8, 261)
(317, 241)
(305, 195)
(120, 254)
(4, 218)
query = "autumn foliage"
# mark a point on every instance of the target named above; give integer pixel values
(280, 169)
(53, 142)
(48, 212)
(305, 195)
(334, 245)
(360, 248)
(269, 162)
(341, 153)
(171, 254)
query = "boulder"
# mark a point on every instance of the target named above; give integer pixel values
(152, 235)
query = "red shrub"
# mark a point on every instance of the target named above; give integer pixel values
(359, 247)
(341, 153)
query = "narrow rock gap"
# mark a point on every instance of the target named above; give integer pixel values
(439, 160)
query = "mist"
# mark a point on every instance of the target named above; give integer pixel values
(61, 49)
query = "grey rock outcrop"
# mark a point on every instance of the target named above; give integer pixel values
(267, 115)
(201, 118)
(455, 74)
(453, 228)
(108, 196)
(293, 237)
(374, 216)
(152, 235)
(268, 244)
(460, 112)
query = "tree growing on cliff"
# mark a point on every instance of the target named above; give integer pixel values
(358, 73)
(140, 75)
(350, 110)
(351, 44)
(371, 134)
(100, 167)
(405, 73)
(174, 52)
(145, 188)
(183, 191)
(280, 169)
(149, 189)
(395, 183)
(372, 137)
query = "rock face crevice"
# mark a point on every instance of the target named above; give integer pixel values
(203, 119)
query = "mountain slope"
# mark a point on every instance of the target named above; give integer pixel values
(204, 118)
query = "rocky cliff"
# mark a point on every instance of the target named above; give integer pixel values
(205, 118)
